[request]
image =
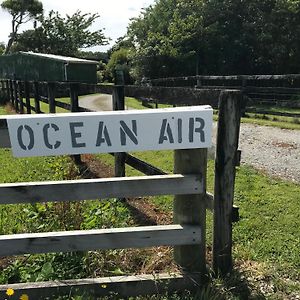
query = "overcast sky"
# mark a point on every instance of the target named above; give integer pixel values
(114, 15)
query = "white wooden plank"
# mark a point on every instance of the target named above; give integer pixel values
(122, 286)
(107, 132)
(115, 238)
(88, 189)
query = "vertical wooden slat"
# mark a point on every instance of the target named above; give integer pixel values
(191, 209)
(226, 149)
(16, 101)
(7, 90)
(51, 97)
(2, 92)
(27, 96)
(37, 97)
(11, 90)
(119, 104)
(20, 93)
(75, 108)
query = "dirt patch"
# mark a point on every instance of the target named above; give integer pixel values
(284, 145)
(91, 167)
(146, 213)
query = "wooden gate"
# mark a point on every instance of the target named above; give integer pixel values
(186, 235)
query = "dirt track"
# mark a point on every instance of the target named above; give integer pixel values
(96, 102)
(275, 151)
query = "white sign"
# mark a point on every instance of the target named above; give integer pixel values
(118, 131)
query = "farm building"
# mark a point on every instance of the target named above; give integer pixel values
(47, 67)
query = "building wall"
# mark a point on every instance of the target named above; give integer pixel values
(34, 68)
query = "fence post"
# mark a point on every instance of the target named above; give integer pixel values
(16, 96)
(75, 108)
(7, 90)
(2, 92)
(20, 92)
(51, 97)
(191, 210)
(37, 107)
(27, 96)
(226, 154)
(119, 104)
(11, 90)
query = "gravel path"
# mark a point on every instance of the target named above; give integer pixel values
(96, 102)
(273, 150)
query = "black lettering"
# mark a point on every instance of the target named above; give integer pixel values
(75, 135)
(102, 130)
(192, 129)
(46, 136)
(20, 137)
(125, 130)
(179, 130)
(165, 129)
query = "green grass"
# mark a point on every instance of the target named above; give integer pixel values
(270, 218)
(136, 104)
(268, 120)
(278, 109)
(268, 232)
(45, 107)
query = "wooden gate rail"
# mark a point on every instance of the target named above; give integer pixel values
(99, 239)
(88, 189)
(122, 286)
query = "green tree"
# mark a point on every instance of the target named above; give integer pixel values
(188, 37)
(21, 12)
(62, 35)
(2, 48)
(119, 61)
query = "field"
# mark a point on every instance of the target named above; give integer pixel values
(266, 238)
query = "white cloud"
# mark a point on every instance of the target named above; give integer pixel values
(114, 14)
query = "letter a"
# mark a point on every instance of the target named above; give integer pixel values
(165, 132)
(100, 139)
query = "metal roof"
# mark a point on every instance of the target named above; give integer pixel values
(66, 59)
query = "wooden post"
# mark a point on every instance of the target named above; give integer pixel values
(51, 97)
(36, 98)
(119, 104)
(16, 96)
(27, 96)
(11, 90)
(75, 108)
(2, 92)
(191, 209)
(74, 97)
(7, 90)
(20, 93)
(226, 153)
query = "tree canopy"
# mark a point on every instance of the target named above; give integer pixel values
(188, 37)
(61, 35)
(21, 12)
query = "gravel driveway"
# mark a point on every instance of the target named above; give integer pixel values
(270, 149)
(275, 151)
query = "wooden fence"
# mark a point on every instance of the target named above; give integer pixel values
(268, 90)
(188, 184)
